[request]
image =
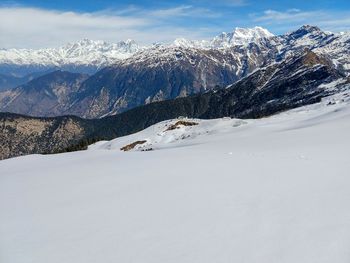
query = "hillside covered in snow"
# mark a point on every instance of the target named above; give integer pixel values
(268, 190)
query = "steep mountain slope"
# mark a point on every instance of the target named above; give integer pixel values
(281, 86)
(265, 92)
(163, 73)
(9, 81)
(185, 68)
(166, 72)
(273, 89)
(155, 74)
(334, 46)
(48, 95)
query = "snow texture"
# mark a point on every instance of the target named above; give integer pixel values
(227, 190)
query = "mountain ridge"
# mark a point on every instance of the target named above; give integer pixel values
(98, 53)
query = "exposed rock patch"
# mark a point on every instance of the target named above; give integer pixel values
(178, 124)
(132, 145)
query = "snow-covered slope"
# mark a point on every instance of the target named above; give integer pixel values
(268, 190)
(172, 133)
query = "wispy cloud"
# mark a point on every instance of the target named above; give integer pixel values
(291, 18)
(35, 27)
(229, 3)
(290, 15)
(26, 27)
(235, 2)
(183, 11)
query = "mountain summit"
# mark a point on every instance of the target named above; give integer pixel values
(240, 36)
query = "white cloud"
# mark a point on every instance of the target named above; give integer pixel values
(289, 19)
(287, 16)
(24, 27)
(34, 27)
(230, 3)
(183, 11)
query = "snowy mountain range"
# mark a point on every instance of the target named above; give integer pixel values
(238, 37)
(83, 53)
(160, 72)
(97, 54)
(87, 56)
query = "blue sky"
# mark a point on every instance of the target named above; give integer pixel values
(35, 24)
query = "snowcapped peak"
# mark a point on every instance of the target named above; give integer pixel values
(240, 36)
(183, 42)
(83, 52)
(88, 43)
(255, 31)
(247, 35)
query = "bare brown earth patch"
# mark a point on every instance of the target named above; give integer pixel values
(132, 145)
(181, 123)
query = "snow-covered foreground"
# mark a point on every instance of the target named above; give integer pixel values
(269, 190)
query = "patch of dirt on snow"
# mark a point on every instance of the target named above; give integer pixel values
(132, 145)
(181, 123)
